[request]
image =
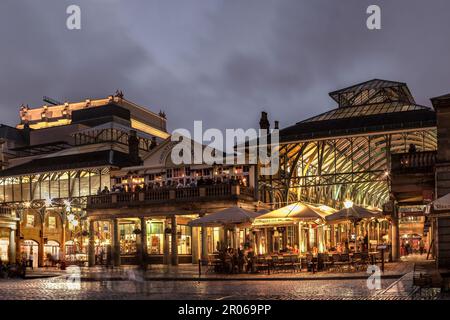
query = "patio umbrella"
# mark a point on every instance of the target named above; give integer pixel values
(353, 214)
(226, 217)
(297, 211)
(442, 203)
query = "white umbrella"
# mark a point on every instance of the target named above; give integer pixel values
(229, 216)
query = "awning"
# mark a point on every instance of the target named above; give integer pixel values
(353, 214)
(292, 213)
(442, 203)
(226, 217)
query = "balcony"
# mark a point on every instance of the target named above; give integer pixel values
(413, 162)
(5, 211)
(166, 195)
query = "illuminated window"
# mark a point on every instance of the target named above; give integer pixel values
(30, 220)
(52, 222)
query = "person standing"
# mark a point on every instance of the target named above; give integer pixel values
(421, 246)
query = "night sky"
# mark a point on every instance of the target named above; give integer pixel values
(222, 62)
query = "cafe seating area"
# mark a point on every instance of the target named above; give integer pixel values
(291, 263)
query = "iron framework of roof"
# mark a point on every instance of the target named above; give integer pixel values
(328, 169)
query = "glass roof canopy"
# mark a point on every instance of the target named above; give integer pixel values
(345, 152)
(365, 110)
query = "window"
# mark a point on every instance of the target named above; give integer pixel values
(127, 238)
(184, 239)
(30, 220)
(155, 237)
(52, 222)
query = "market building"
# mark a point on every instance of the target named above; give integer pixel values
(57, 156)
(94, 182)
(357, 152)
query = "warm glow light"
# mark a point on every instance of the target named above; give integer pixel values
(71, 217)
(386, 173)
(67, 204)
(27, 204)
(75, 223)
(348, 204)
(48, 202)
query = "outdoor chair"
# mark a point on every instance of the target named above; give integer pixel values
(210, 267)
(297, 263)
(356, 261)
(311, 263)
(288, 263)
(276, 264)
(324, 261)
(364, 260)
(345, 260)
(262, 264)
(337, 263)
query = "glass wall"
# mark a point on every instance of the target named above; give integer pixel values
(184, 235)
(127, 238)
(155, 237)
(65, 184)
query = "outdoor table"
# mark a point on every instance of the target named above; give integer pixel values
(372, 256)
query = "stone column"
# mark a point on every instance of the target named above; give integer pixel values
(41, 243)
(236, 238)
(62, 255)
(91, 247)
(395, 238)
(225, 237)
(174, 257)
(195, 245)
(204, 244)
(166, 249)
(12, 246)
(116, 244)
(144, 248)
(18, 233)
(300, 237)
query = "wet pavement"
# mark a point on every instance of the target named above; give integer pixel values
(183, 283)
(66, 289)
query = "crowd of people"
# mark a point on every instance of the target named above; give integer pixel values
(172, 184)
(237, 261)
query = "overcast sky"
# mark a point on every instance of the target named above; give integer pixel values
(222, 62)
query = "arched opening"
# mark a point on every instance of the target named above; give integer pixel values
(51, 253)
(30, 252)
(4, 245)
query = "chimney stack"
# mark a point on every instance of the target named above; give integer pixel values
(277, 124)
(264, 122)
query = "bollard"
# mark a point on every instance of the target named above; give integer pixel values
(199, 268)
(382, 260)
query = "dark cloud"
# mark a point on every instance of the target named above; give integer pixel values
(219, 61)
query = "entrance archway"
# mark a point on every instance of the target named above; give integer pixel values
(30, 251)
(4, 245)
(51, 252)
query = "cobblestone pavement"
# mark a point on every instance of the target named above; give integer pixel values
(60, 288)
(128, 283)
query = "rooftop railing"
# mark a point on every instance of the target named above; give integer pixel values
(166, 195)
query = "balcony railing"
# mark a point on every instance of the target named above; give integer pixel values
(413, 161)
(207, 192)
(5, 211)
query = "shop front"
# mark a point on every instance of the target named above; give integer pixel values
(8, 225)
(155, 245)
(30, 252)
